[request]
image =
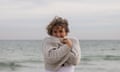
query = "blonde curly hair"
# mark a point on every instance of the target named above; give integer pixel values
(57, 21)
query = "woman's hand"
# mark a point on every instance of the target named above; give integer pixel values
(67, 41)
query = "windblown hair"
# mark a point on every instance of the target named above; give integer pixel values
(57, 21)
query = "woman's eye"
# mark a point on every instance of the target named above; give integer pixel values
(55, 31)
(60, 31)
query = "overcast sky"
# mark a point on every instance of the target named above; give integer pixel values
(88, 19)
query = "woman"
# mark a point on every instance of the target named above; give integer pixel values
(61, 53)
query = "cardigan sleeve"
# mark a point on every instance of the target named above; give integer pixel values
(75, 53)
(54, 51)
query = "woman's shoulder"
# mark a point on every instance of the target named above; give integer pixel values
(46, 38)
(74, 39)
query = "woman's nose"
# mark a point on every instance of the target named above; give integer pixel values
(58, 34)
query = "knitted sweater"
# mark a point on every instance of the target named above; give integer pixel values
(56, 53)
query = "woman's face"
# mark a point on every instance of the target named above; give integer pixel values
(59, 31)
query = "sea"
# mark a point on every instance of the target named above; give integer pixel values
(26, 56)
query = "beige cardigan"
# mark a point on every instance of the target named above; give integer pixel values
(56, 54)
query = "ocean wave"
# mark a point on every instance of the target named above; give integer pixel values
(111, 57)
(98, 57)
(9, 65)
(13, 65)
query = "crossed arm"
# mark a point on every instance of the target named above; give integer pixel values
(54, 53)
